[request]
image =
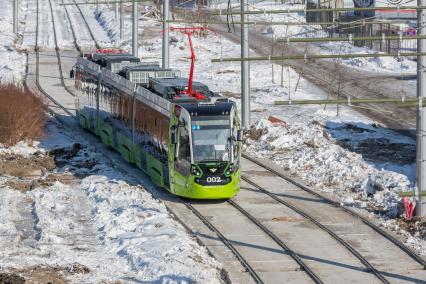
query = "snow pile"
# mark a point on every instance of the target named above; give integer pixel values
(309, 151)
(92, 223)
(379, 64)
(140, 231)
(12, 63)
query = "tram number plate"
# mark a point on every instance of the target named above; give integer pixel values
(214, 179)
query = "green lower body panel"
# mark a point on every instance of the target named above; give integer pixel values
(137, 155)
(106, 132)
(155, 170)
(186, 187)
(83, 120)
(124, 147)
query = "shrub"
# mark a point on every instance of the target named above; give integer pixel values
(22, 115)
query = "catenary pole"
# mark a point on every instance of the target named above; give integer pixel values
(166, 6)
(245, 71)
(15, 16)
(121, 20)
(135, 29)
(421, 118)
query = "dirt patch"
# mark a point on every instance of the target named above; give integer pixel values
(67, 152)
(43, 274)
(231, 94)
(416, 227)
(227, 71)
(255, 134)
(286, 219)
(382, 150)
(40, 169)
(77, 268)
(20, 166)
(11, 278)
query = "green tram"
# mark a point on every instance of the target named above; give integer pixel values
(190, 145)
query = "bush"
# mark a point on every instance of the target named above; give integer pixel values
(22, 115)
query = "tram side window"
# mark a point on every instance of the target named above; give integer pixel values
(235, 142)
(184, 148)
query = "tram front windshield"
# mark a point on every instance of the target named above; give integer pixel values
(210, 139)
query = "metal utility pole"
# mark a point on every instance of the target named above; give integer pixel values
(121, 20)
(15, 16)
(166, 34)
(135, 29)
(116, 10)
(421, 115)
(245, 70)
(97, 7)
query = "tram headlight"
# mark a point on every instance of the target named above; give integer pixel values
(229, 170)
(195, 171)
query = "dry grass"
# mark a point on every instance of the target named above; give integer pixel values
(22, 115)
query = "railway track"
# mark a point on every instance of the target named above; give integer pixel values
(336, 204)
(37, 52)
(352, 250)
(97, 45)
(57, 50)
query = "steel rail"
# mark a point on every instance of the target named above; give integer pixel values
(87, 25)
(57, 52)
(376, 228)
(303, 266)
(349, 38)
(262, 23)
(289, 11)
(352, 250)
(316, 56)
(72, 30)
(37, 79)
(225, 240)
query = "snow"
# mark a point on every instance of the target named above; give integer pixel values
(105, 215)
(13, 61)
(93, 223)
(382, 65)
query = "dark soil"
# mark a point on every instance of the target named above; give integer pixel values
(20, 166)
(382, 150)
(38, 169)
(11, 278)
(255, 134)
(416, 227)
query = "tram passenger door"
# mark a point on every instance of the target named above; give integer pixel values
(183, 157)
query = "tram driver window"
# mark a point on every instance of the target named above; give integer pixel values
(184, 148)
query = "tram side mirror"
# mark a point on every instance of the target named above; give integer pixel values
(174, 135)
(240, 135)
(72, 73)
